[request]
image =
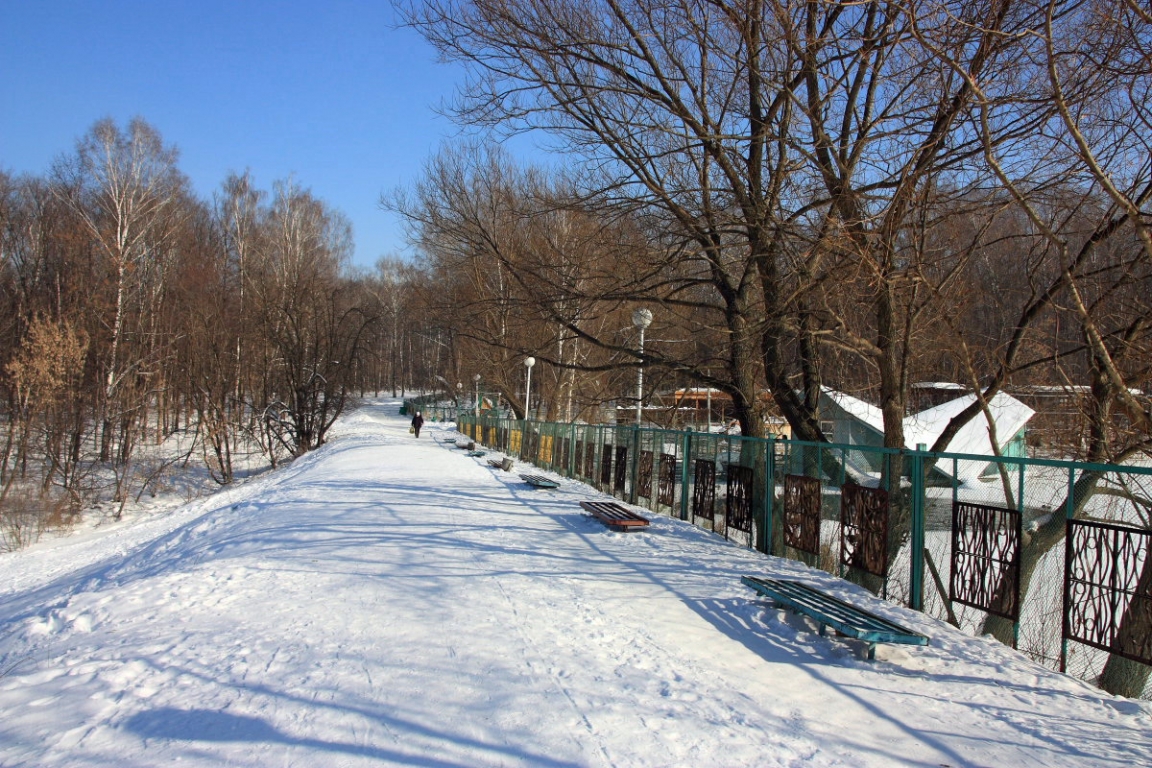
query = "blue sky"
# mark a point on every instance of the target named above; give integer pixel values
(330, 92)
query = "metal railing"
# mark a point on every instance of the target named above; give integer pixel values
(978, 541)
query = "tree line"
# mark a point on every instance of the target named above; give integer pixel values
(135, 311)
(855, 195)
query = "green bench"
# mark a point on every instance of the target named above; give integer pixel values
(614, 515)
(829, 611)
(539, 481)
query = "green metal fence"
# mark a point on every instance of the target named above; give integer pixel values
(977, 541)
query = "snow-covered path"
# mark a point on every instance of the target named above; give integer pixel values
(391, 601)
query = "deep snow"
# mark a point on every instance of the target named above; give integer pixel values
(391, 601)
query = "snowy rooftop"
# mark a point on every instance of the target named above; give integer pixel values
(1009, 414)
(857, 408)
(389, 601)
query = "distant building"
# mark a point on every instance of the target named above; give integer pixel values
(1061, 426)
(929, 394)
(701, 408)
(847, 420)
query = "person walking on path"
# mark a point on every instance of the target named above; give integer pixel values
(417, 422)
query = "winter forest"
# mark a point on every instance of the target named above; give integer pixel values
(862, 196)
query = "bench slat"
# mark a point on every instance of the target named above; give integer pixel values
(845, 618)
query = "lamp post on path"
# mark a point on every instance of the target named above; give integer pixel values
(528, 363)
(641, 318)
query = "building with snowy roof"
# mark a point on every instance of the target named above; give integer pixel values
(848, 420)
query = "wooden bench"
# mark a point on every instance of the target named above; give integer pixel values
(614, 515)
(832, 612)
(539, 481)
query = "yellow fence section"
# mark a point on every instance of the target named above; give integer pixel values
(545, 452)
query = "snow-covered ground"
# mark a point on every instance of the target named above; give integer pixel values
(391, 601)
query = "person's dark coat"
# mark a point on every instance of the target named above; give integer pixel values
(417, 422)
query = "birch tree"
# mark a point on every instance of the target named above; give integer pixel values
(123, 185)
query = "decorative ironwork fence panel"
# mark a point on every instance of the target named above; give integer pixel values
(802, 513)
(589, 460)
(704, 489)
(864, 528)
(606, 465)
(644, 475)
(1108, 588)
(986, 558)
(579, 465)
(738, 504)
(666, 493)
(621, 474)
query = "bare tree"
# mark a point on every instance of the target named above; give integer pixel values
(678, 109)
(123, 185)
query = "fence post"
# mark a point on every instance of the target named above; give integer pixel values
(685, 470)
(765, 542)
(1069, 514)
(916, 599)
(633, 497)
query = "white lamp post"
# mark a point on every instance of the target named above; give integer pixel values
(528, 363)
(476, 379)
(459, 394)
(641, 318)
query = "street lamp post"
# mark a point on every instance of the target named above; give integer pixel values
(476, 410)
(641, 318)
(459, 395)
(528, 363)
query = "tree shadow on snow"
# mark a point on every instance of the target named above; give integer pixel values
(204, 725)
